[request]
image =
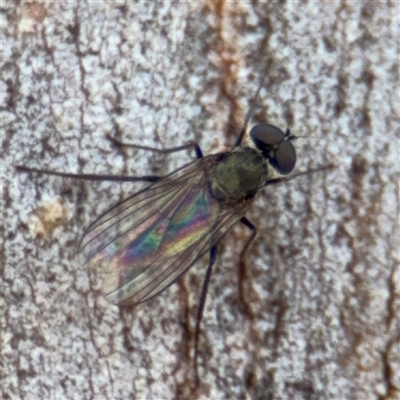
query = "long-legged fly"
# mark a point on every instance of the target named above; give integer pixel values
(143, 244)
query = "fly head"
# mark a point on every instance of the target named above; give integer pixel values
(276, 146)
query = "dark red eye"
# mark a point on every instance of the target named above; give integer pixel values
(276, 146)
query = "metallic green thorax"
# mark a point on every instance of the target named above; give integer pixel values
(239, 175)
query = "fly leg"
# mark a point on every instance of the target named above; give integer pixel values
(90, 177)
(200, 309)
(282, 179)
(116, 178)
(242, 269)
(194, 145)
(251, 110)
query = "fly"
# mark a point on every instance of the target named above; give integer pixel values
(143, 244)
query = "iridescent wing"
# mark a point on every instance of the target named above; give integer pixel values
(143, 244)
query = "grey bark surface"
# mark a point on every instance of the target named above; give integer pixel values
(321, 281)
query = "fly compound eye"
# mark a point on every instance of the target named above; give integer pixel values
(266, 135)
(276, 146)
(285, 157)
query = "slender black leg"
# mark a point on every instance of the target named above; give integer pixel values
(250, 112)
(194, 145)
(242, 269)
(116, 178)
(200, 309)
(253, 229)
(91, 177)
(274, 181)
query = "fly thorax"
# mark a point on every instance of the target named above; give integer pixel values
(239, 175)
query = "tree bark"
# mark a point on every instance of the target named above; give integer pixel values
(314, 312)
